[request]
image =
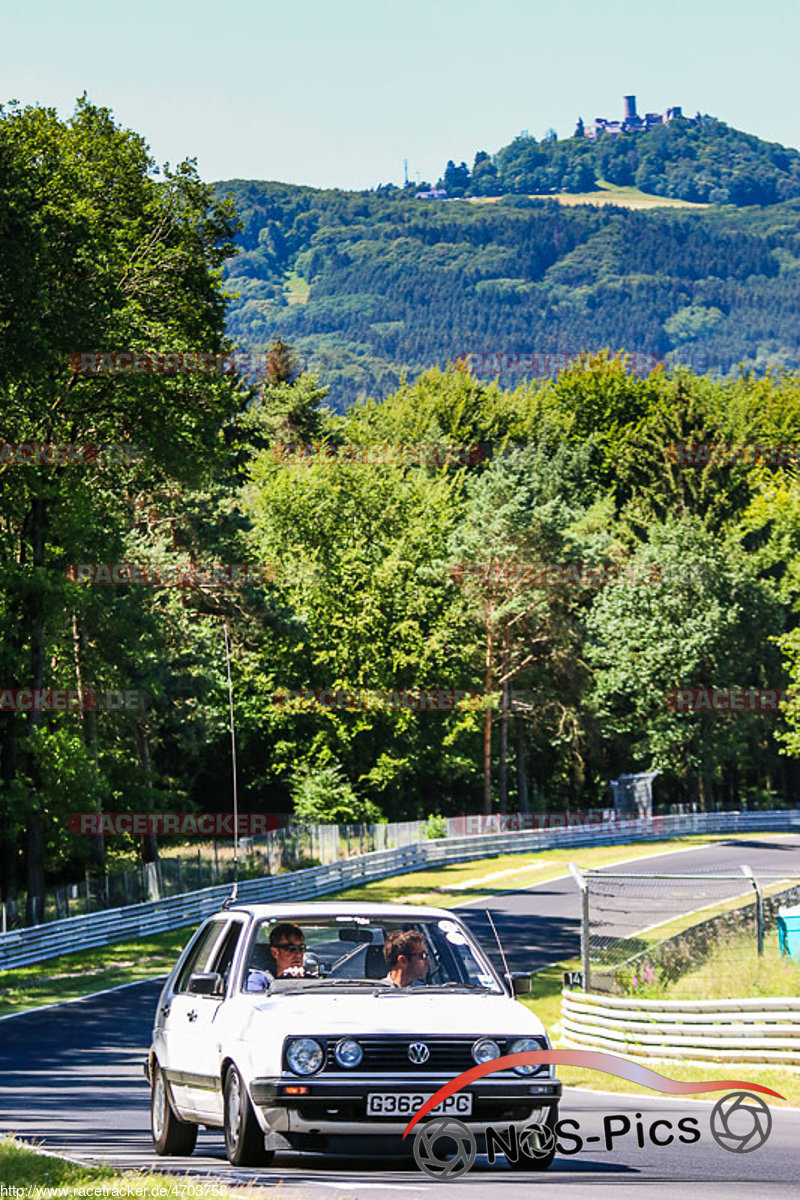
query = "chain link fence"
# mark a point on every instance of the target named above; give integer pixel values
(660, 926)
(188, 869)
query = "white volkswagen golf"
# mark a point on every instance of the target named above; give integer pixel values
(325, 1026)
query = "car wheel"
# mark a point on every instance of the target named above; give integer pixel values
(170, 1136)
(244, 1138)
(540, 1162)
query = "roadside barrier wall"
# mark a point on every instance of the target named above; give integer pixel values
(764, 1031)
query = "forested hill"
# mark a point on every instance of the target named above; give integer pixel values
(369, 285)
(701, 160)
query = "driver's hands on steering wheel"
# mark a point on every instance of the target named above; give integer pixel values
(293, 973)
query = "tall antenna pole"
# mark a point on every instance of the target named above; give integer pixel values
(232, 898)
(405, 171)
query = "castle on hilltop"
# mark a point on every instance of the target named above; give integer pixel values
(630, 123)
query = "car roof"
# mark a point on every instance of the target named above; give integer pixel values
(330, 908)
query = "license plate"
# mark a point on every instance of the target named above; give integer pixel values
(405, 1104)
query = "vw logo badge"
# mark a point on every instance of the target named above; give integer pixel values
(418, 1053)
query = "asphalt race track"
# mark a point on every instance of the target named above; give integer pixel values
(72, 1081)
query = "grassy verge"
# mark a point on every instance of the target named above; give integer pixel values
(449, 886)
(88, 971)
(21, 1168)
(734, 969)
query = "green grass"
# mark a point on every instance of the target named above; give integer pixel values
(297, 288)
(57, 1177)
(734, 969)
(89, 971)
(607, 193)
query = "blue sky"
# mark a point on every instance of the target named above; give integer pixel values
(336, 93)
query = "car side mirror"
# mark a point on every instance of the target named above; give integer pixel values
(519, 982)
(206, 983)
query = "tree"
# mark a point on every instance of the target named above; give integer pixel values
(685, 621)
(522, 515)
(322, 795)
(456, 179)
(104, 256)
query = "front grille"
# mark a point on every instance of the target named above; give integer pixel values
(383, 1055)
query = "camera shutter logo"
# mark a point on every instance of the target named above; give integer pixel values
(537, 1140)
(740, 1122)
(447, 1130)
(418, 1053)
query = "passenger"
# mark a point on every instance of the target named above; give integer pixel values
(407, 959)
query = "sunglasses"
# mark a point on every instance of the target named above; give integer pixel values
(293, 947)
(419, 954)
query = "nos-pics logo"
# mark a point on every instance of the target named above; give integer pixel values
(740, 1121)
(446, 1148)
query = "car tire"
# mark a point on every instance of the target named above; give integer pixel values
(170, 1135)
(526, 1163)
(244, 1138)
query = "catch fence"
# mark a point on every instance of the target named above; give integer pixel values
(662, 925)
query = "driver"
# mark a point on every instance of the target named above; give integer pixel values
(287, 946)
(406, 957)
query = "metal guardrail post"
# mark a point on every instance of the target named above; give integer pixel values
(759, 909)
(582, 882)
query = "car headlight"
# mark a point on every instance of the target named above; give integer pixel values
(485, 1050)
(520, 1046)
(348, 1053)
(304, 1056)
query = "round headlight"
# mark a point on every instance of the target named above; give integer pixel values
(348, 1053)
(485, 1050)
(521, 1046)
(304, 1056)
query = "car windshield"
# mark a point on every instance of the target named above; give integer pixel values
(390, 955)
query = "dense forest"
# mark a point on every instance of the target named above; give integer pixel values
(379, 572)
(698, 159)
(370, 288)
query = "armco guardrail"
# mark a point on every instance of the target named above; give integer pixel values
(765, 1031)
(21, 946)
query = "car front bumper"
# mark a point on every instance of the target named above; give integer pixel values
(339, 1106)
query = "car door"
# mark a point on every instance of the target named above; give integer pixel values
(191, 1037)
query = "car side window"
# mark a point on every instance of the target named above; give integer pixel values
(223, 958)
(198, 956)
